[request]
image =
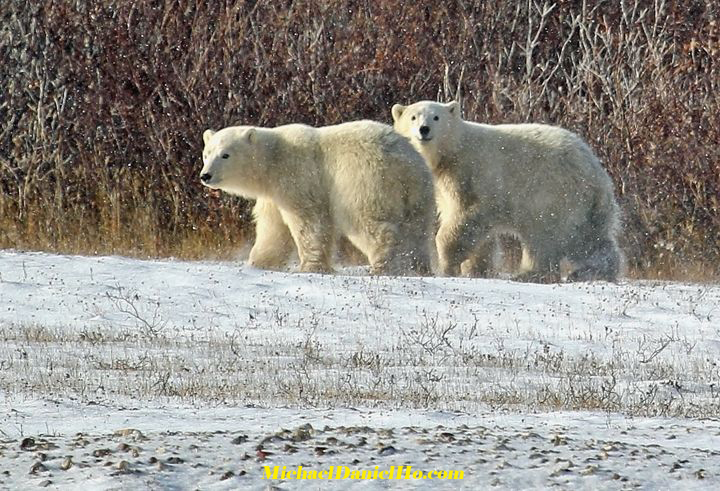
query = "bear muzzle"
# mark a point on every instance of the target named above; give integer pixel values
(424, 134)
(205, 177)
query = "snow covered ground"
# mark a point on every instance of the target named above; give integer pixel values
(117, 373)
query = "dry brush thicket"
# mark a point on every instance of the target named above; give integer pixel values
(102, 105)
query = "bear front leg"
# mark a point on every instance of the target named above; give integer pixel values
(455, 241)
(480, 262)
(313, 237)
(273, 242)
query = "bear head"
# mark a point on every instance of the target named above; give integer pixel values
(231, 160)
(430, 126)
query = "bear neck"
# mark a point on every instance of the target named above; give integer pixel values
(445, 157)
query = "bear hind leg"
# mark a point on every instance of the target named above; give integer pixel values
(594, 252)
(314, 239)
(603, 263)
(379, 242)
(416, 250)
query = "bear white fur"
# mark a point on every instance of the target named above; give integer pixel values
(539, 182)
(360, 180)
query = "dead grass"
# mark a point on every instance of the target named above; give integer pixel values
(430, 367)
(103, 105)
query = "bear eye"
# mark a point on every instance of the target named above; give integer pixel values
(225, 155)
(436, 118)
(412, 119)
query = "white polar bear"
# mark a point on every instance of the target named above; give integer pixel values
(540, 182)
(360, 180)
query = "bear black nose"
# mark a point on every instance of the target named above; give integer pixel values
(206, 177)
(424, 130)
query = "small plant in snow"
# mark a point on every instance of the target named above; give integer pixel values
(147, 318)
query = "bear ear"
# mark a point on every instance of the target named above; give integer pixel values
(397, 111)
(250, 135)
(207, 134)
(453, 108)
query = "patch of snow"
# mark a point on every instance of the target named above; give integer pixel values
(486, 376)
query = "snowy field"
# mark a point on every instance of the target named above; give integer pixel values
(124, 374)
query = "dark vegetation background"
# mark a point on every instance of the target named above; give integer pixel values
(102, 106)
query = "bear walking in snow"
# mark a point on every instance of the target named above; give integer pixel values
(360, 180)
(540, 182)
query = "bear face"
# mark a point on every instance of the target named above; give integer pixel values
(231, 160)
(429, 126)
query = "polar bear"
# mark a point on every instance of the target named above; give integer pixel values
(360, 180)
(538, 182)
